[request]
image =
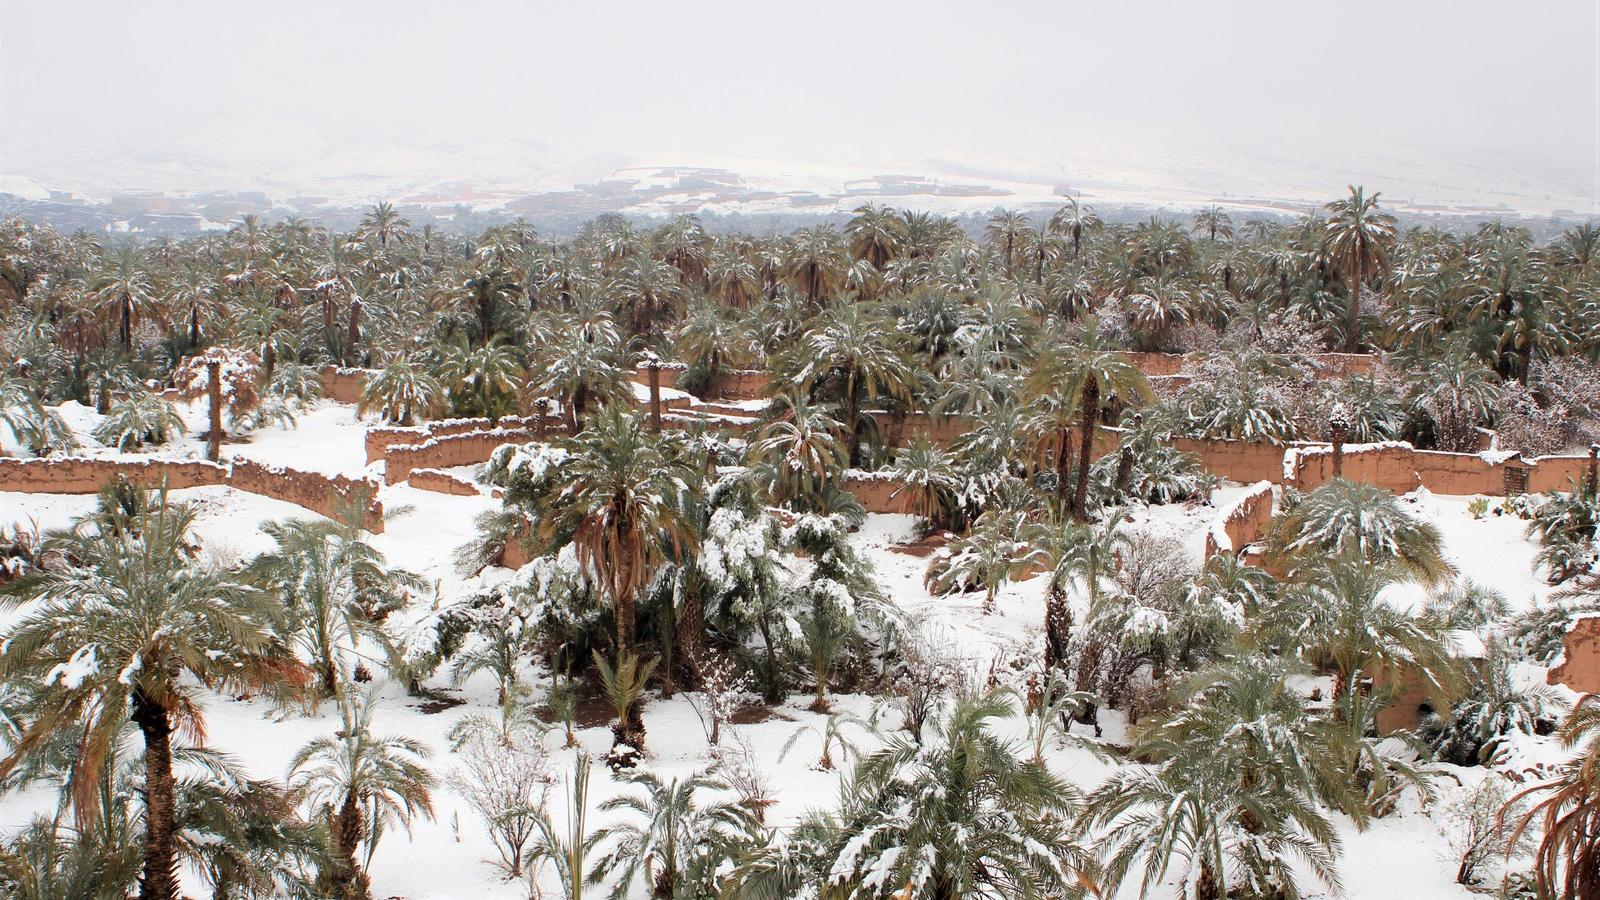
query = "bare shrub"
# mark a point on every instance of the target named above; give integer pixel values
(506, 781)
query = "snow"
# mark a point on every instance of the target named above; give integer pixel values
(443, 859)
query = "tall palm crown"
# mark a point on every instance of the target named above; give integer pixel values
(1358, 239)
(1090, 368)
(134, 627)
(618, 506)
(850, 354)
(876, 234)
(359, 782)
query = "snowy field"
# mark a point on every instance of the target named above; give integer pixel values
(1402, 855)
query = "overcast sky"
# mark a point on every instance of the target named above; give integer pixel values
(853, 83)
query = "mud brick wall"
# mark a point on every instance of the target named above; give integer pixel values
(448, 452)
(1242, 522)
(1580, 665)
(319, 493)
(442, 482)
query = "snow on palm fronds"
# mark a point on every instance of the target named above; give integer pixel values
(142, 419)
(1345, 517)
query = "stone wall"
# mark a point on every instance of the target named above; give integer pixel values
(319, 493)
(1242, 522)
(1580, 665)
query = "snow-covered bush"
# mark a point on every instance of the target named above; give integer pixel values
(1492, 710)
(506, 781)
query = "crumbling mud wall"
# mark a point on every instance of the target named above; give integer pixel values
(1242, 522)
(326, 495)
(1580, 665)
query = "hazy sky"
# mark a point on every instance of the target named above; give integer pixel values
(829, 82)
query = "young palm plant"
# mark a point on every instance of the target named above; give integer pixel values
(358, 783)
(672, 836)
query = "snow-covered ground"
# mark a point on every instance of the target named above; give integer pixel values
(1402, 855)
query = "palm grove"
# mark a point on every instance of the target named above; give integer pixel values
(688, 560)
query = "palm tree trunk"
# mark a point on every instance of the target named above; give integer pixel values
(1057, 627)
(1091, 406)
(349, 882)
(214, 396)
(1063, 461)
(1351, 337)
(850, 415)
(159, 881)
(354, 332)
(126, 328)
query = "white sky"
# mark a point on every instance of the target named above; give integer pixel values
(841, 83)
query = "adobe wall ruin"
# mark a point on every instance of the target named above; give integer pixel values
(1580, 664)
(319, 493)
(1242, 522)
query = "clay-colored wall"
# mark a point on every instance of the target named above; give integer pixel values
(322, 494)
(669, 374)
(741, 384)
(1558, 473)
(1391, 466)
(344, 385)
(1242, 461)
(76, 475)
(441, 482)
(1405, 713)
(1242, 522)
(880, 495)
(1580, 669)
(448, 452)
(1459, 473)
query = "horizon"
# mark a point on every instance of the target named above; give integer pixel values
(1254, 104)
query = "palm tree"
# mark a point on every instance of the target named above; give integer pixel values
(876, 235)
(814, 264)
(482, 379)
(126, 291)
(359, 783)
(385, 223)
(1338, 614)
(567, 851)
(800, 449)
(1358, 239)
(1071, 221)
(1352, 518)
(852, 355)
(672, 836)
(135, 628)
(1097, 374)
(484, 286)
(1567, 862)
(960, 814)
(999, 549)
(334, 587)
(403, 391)
(619, 508)
(1214, 222)
(710, 338)
(1234, 792)
(1007, 232)
(579, 366)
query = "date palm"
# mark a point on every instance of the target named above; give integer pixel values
(1097, 374)
(1214, 222)
(384, 223)
(815, 265)
(876, 235)
(1072, 221)
(619, 508)
(850, 354)
(403, 391)
(960, 814)
(126, 291)
(1008, 232)
(673, 835)
(1566, 863)
(1359, 238)
(358, 783)
(135, 628)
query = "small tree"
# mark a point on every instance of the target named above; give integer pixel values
(721, 688)
(506, 779)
